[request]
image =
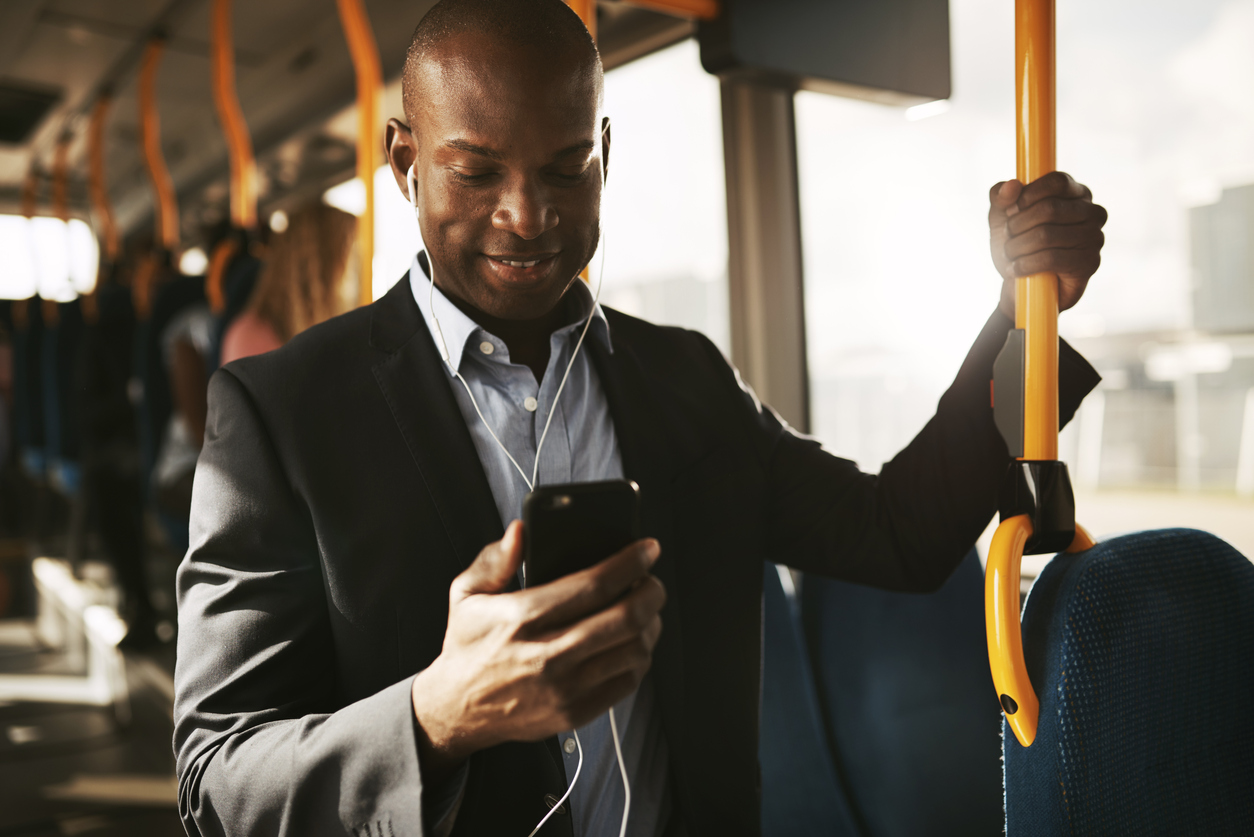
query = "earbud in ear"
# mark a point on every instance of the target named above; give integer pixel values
(409, 182)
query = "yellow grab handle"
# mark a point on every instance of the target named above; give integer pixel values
(1001, 622)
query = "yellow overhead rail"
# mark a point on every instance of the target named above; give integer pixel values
(700, 9)
(239, 149)
(365, 53)
(96, 178)
(587, 11)
(1038, 488)
(167, 209)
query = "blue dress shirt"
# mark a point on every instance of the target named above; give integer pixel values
(581, 446)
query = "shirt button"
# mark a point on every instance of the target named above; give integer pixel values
(551, 800)
(529, 404)
(486, 347)
(569, 746)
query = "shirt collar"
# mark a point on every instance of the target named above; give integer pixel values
(458, 329)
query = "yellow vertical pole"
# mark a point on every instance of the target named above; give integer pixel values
(167, 209)
(365, 54)
(1036, 296)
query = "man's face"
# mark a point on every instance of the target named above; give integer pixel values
(508, 160)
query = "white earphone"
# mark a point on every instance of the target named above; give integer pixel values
(410, 182)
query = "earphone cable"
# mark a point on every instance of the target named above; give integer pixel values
(531, 483)
(571, 787)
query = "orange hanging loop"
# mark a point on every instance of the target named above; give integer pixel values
(700, 9)
(239, 149)
(365, 54)
(61, 178)
(167, 209)
(96, 178)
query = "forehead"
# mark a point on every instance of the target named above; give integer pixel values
(504, 93)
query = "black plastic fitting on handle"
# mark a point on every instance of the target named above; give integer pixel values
(1042, 491)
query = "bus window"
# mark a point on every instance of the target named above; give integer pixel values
(666, 260)
(895, 286)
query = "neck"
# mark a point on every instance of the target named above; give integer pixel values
(527, 340)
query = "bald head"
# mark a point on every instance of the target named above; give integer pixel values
(543, 33)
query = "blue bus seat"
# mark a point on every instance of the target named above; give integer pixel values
(62, 427)
(28, 398)
(156, 400)
(1141, 650)
(908, 700)
(801, 792)
(903, 708)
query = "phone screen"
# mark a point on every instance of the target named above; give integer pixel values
(571, 526)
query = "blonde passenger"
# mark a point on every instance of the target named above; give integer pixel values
(309, 276)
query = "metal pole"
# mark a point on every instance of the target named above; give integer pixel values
(766, 299)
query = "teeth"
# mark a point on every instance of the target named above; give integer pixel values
(521, 264)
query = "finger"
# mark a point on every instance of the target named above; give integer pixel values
(1054, 237)
(1078, 263)
(616, 624)
(494, 567)
(633, 656)
(1056, 184)
(574, 596)
(1004, 194)
(1057, 211)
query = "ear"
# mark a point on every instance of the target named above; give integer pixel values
(605, 149)
(399, 145)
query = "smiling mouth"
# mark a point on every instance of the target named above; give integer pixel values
(531, 263)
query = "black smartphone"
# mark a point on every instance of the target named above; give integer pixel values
(571, 526)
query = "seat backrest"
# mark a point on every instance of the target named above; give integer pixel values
(908, 703)
(28, 392)
(1141, 651)
(801, 792)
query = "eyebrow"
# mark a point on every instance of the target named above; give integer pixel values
(492, 154)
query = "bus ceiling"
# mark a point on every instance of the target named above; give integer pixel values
(297, 87)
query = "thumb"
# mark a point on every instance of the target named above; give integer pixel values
(495, 566)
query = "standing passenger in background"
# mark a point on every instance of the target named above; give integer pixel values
(308, 277)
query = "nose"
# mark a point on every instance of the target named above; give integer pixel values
(525, 209)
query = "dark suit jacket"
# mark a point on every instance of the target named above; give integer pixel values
(339, 493)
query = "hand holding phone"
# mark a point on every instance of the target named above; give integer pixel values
(571, 526)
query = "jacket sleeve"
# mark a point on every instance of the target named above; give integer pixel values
(908, 527)
(262, 744)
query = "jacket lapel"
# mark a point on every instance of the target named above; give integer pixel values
(647, 459)
(417, 391)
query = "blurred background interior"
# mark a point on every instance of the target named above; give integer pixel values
(105, 346)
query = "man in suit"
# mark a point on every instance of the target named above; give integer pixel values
(354, 654)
